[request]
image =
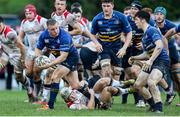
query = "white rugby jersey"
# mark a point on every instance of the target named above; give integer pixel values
(8, 39)
(79, 100)
(33, 29)
(65, 19)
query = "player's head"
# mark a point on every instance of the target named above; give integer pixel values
(141, 18)
(76, 5)
(65, 93)
(77, 13)
(127, 11)
(30, 12)
(107, 6)
(53, 27)
(60, 5)
(135, 7)
(1, 24)
(160, 14)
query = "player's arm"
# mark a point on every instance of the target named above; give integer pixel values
(157, 50)
(63, 56)
(91, 103)
(93, 38)
(143, 56)
(170, 33)
(13, 37)
(75, 25)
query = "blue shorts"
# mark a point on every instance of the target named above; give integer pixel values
(110, 53)
(88, 57)
(71, 63)
(162, 66)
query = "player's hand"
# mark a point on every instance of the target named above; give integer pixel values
(91, 91)
(131, 60)
(121, 53)
(99, 47)
(139, 46)
(147, 65)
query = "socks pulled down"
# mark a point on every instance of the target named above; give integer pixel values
(53, 94)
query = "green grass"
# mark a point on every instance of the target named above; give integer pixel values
(12, 103)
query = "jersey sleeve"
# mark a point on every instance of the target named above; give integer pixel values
(65, 42)
(43, 22)
(12, 36)
(40, 42)
(154, 33)
(126, 26)
(94, 29)
(71, 20)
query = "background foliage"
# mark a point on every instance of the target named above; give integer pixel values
(90, 7)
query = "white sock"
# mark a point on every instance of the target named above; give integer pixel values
(45, 94)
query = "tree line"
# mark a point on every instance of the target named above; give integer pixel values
(90, 7)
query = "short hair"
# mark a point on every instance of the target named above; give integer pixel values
(75, 5)
(127, 8)
(107, 1)
(76, 10)
(51, 22)
(147, 9)
(1, 19)
(60, 0)
(143, 15)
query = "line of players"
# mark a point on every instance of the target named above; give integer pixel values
(119, 44)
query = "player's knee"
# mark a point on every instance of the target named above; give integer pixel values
(106, 68)
(151, 83)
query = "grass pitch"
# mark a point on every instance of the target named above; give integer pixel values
(12, 104)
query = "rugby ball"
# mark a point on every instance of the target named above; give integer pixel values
(42, 60)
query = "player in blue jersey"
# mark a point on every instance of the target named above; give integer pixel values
(58, 42)
(108, 26)
(165, 25)
(156, 63)
(167, 36)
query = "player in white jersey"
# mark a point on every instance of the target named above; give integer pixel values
(76, 100)
(12, 50)
(31, 27)
(65, 19)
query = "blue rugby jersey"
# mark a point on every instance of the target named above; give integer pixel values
(63, 42)
(109, 30)
(150, 36)
(167, 26)
(138, 33)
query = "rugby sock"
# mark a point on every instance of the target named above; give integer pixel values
(37, 87)
(158, 106)
(150, 101)
(136, 97)
(53, 93)
(124, 98)
(46, 91)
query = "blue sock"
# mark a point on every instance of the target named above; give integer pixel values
(53, 93)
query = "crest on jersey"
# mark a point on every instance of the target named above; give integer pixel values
(100, 22)
(46, 40)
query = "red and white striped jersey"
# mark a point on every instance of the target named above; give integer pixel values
(8, 39)
(64, 20)
(33, 29)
